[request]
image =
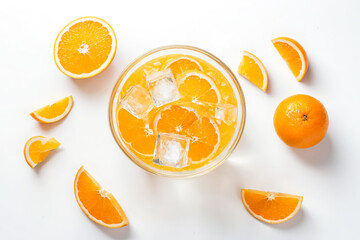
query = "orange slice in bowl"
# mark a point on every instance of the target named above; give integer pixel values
(85, 47)
(37, 148)
(198, 87)
(136, 132)
(253, 70)
(53, 112)
(182, 64)
(293, 54)
(97, 203)
(271, 207)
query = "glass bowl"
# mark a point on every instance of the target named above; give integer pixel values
(192, 51)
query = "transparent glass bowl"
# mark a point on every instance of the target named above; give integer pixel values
(192, 51)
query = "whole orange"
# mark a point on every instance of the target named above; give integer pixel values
(301, 121)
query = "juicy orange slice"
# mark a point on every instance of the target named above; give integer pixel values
(97, 203)
(197, 87)
(204, 133)
(85, 47)
(271, 207)
(253, 70)
(182, 64)
(37, 148)
(53, 112)
(136, 132)
(293, 54)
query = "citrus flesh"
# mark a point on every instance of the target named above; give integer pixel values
(38, 148)
(53, 112)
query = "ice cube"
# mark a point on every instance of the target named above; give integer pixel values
(137, 101)
(226, 113)
(163, 87)
(172, 150)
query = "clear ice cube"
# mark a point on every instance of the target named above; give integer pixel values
(226, 113)
(137, 101)
(163, 87)
(172, 150)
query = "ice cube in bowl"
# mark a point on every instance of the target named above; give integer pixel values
(137, 101)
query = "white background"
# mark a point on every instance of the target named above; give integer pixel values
(39, 203)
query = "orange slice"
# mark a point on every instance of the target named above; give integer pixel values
(53, 112)
(37, 148)
(136, 132)
(204, 133)
(293, 54)
(182, 64)
(271, 207)
(253, 70)
(97, 203)
(198, 87)
(85, 47)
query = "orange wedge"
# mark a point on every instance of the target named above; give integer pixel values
(37, 148)
(203, 132)
(53, 112)
(97, 203)
(182, 64)
(198, 87)
(136, 132)
(253, 70)
(85, 47)
(271, 207)
(293, 54)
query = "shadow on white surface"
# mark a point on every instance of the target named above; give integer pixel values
(114, 233)
(49, 126)
(292, 223)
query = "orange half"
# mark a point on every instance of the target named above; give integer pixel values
(53, 112)
(293, 54)
(37, 148)
(97, 203)
(85, 47)
(271, 207)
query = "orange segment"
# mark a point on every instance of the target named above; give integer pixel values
(98, 204)
(37, 148)
(136, 132)
(85, 47)
(53, 112)
(253, 70)
(293, 54)
(182, 64)
(271, 207)
(197, 87)
(204, 133)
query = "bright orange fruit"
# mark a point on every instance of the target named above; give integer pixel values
(301, 121)
(37, 148)
(271, 207)
(53, 112)
(97, 203)
(85, 47)
(182, 64)
(293, 54)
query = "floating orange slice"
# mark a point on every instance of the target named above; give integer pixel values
(204, 133)
(37, 148)
(253, 70)
(53, 112)
(293, 54)
(198, 87)
(271, 207)
(136, 132)
(85, 47)
(97, 203)
(182, 64)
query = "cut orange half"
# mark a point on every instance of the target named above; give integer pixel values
(136, 132)
(85, 47)
(203, 132)
(37, 148)
(253, 70)
(53, 112)
(293, 54)
(97, 203)
(182, 64)
(198, 87)
(271, 207)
